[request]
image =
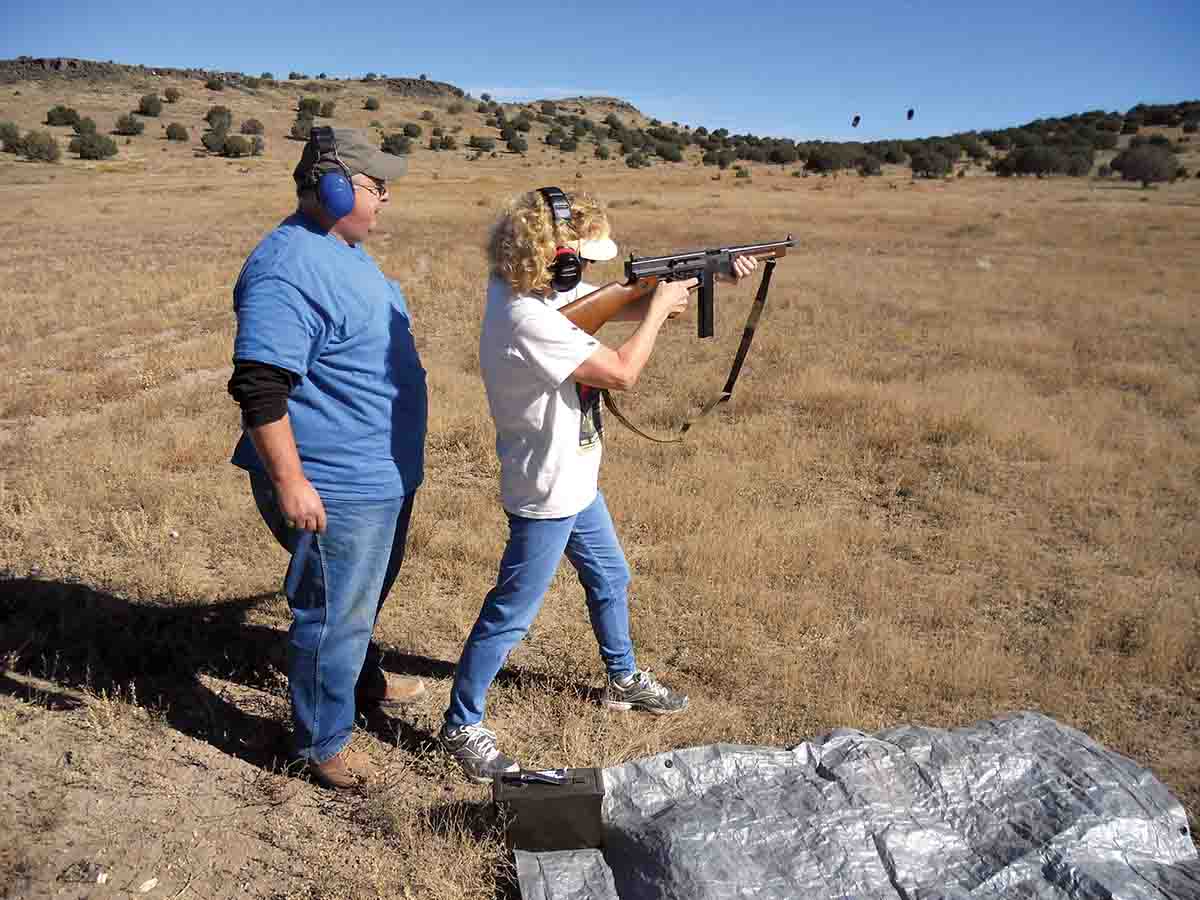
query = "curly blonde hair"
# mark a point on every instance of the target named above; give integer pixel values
(523, 240)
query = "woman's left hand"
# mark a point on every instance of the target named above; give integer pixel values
(742, 266)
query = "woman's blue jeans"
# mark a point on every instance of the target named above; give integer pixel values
(535, 547)
(335, 584)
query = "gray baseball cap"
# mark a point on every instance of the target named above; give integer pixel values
(358, 153)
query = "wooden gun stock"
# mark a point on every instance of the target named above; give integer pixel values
(592, 310)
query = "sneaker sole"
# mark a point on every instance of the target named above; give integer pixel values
(622, 706)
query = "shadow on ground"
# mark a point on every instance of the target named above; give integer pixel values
(82, 638)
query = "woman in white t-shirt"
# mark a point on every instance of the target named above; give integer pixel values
(543, 377)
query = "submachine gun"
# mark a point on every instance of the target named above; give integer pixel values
(642, 275)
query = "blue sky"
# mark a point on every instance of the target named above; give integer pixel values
(770, 68)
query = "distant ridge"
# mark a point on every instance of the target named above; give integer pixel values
(45, 68)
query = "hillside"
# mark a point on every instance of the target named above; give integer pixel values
(580, 129)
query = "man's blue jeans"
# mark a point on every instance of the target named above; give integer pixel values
(527, 567)
(335, 584)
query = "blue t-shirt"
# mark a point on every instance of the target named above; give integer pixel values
(309, 303)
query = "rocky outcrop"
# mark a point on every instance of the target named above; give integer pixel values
(422, 87)
(33, 68)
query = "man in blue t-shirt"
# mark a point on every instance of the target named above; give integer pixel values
(334, 412)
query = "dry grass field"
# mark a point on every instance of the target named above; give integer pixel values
(959, 477)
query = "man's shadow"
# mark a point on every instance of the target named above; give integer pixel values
(84, 639)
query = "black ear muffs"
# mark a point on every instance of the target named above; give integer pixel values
(567, 269)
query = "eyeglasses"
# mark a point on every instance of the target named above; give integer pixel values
(378, 187)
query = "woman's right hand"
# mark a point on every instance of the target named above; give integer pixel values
(670, 298)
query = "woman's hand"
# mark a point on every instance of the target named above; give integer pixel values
(742, 266)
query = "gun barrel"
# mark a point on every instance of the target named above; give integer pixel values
(690, 262)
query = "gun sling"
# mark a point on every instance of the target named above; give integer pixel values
(760, 301)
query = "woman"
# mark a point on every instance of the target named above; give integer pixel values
(542, 376)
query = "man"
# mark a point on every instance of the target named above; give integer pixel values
(542, 376)
(334, 412)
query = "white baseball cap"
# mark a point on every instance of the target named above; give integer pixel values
(596, 249)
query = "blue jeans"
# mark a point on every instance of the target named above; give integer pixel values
(527, 567)
(335, 584)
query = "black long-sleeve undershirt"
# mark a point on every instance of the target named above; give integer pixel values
(261, 390)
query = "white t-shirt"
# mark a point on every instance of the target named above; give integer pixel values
(548, 429)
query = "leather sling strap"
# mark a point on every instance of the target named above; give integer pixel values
(760, 301)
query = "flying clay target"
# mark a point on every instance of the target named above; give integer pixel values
(910, 115)
(854, 122)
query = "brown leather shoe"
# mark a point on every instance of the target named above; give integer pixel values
(387, 692)
(348, 769)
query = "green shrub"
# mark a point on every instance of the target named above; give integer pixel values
(869, 165)
(257, 145)
(455, 108)
(308, 107)
(412, 130)
(41, 146)
(741, 172)
(486, 144)
(397, 144)
(251, 82)
(448, 142)
(1130, 127)
(93, 146)
(296, 76)
(219, 118)
(517, 144)
(235, 145)
(301, 128)
(85, 126)
(177, 132)
(1145, 164)
(10, 137)
(669, 152)
(568, 145)
(635, 160)
(929, 164)
(375, 123)
(150, 105)
(61, 115)
(128, 124)
(252, 126)
(371, 103)
(215, 84)
(370, 76)
(172, 94)
(214, 141)
(601, 151)
(327, 109)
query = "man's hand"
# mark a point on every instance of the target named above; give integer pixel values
(742, 266)
(300, 504)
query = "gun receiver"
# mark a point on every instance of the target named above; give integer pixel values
(642, 275)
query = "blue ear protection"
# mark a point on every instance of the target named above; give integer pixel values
(567, 269)
(334, 188)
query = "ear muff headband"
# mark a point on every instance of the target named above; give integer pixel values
(567, 269)
(329, 174)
